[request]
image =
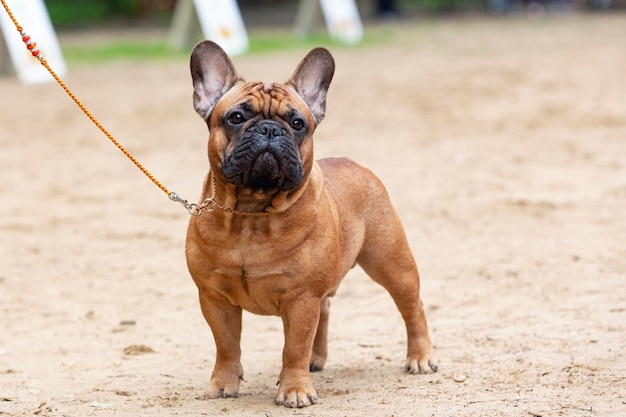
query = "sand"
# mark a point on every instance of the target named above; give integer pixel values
(503, 145)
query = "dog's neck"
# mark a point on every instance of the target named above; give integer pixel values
(242, 201)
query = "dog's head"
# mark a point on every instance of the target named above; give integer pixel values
(260, 134)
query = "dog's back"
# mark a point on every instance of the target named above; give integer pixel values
(358, 190)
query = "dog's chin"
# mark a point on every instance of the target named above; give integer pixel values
(265, 174)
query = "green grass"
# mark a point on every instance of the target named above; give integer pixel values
(117, 50)
(260, 43)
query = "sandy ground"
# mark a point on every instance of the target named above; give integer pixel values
(503, 145)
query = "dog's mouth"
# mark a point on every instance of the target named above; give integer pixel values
(265, 166)
(267, 173)
(264, 158)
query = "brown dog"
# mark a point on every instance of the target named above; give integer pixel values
(284, 229)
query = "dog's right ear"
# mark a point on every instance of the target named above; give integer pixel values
(213, 74)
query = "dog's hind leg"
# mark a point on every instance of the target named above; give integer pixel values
(387, 259)
(320, 344)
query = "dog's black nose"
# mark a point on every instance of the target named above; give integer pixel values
(270, 129)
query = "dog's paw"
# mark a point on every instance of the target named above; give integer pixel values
(219, 391)
(317, 363)
(423, 365)
(296, 396)
(215, 392)
(222, 388)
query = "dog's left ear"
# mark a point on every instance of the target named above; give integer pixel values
(311, 80)
(213, 74)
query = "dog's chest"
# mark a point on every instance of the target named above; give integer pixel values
(253, 290)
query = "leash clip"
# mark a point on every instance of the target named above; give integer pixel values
(209, 205)
(192, 208)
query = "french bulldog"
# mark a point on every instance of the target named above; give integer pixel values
(283, 229)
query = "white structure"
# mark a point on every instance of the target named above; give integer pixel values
(35, 21)
(217, 20)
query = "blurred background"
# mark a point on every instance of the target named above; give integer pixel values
(139, 28)
(73, 14)
(77, 13)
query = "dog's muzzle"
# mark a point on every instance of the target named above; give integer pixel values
(265, 157)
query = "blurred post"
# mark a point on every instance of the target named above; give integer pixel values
(308, 16)
(6, 68)
(343, 20)
(217, 20)
(341, 16)
(185, 29)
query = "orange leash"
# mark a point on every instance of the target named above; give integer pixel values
(193, 209)
(208, 205)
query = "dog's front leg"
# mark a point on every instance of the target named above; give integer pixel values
(225, 322)
(300, 320)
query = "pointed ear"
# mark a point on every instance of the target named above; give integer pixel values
(311, 80)
(213, 74)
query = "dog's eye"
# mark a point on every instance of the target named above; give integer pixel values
(297, 124)
(236, 118)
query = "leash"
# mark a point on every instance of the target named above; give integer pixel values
(208, 205)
